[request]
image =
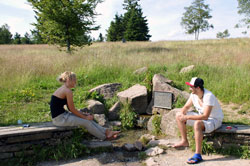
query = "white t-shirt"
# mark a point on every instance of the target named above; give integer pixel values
(208, 100)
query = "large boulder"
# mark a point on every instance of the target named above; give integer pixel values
(169, 124)
(136, 96)
(162, 84)
(150, 107)
(107, 90)
(101, 119)
(114, 111)
(187, 69)
(95, 107)
(150, 126)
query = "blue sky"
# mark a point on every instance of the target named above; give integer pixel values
(164, 17)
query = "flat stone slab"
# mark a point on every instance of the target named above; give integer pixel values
(98, 144)
(239, 129)
(33, 129)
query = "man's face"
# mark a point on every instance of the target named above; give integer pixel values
(193, 89)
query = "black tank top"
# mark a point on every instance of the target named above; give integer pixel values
(57, 106)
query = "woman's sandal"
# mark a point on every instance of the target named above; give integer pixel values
(196, 159)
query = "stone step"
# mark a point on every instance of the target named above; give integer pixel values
(239, 129)
(34, 128)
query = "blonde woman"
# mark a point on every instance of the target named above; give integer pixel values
(60, 117)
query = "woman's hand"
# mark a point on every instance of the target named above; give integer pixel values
(89, 117)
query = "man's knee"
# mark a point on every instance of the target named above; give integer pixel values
(177, 116)
(198, 125)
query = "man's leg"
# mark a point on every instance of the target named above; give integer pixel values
(183, 131)
(198, 133)
(199, 127)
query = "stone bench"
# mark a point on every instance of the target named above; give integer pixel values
(18, 140)
(230, 135)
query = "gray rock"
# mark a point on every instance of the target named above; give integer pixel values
(164, 142)
(101, 119)
(114, 111)
(115, 123)
(160, 83)
(150, 126)
(95, 107)
(168, 123)
(160, 111)
(138, 145)
(154, 151)
(148, 137)
(136, 96)
(143, 121)
(107, 90)
(141, 70)
(187, 69)
(150, 107)
(129, 147)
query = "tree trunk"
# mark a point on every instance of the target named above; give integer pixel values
(68, 46)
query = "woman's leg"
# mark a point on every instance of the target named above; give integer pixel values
(92, 127)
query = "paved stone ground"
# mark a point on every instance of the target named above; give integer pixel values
(172, 157)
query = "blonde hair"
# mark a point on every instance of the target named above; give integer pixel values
(67, 75)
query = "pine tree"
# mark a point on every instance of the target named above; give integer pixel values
(26, 39)
(65, 22)
(131, 27)
(136, 24)
(17, 38)
(116, 29)
(5, 34)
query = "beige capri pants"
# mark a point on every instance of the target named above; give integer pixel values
(69, 119)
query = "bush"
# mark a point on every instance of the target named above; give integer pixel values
(128, 117)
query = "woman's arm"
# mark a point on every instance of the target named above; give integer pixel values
(71, 106)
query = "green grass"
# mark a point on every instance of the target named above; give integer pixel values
(28, 73)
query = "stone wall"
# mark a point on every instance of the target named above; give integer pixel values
(16, 141)
(226, 136)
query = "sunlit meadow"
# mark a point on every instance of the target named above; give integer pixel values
(28, 72)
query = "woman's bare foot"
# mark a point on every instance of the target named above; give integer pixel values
(111, 134)
(181, 144)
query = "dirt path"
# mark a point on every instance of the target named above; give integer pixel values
(172, 157)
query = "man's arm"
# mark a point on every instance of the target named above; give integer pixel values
(187, 106)
(204, 116)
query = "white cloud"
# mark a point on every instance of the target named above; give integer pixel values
(21, 4)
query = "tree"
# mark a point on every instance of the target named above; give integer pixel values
(195, 19)
(17, 38)
(100, 38)
(131, 27)
(5, 34)
(65, 22)
(244, 9)
(36, 37)
(116, 29)
(26, 39)
(222, 35)
(136, 25)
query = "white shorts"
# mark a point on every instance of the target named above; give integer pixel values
(210, 125)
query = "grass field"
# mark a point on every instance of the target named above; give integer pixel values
(28, 73)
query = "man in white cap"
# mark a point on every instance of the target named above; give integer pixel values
(207, 118)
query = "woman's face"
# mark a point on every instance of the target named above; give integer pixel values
(71, 82)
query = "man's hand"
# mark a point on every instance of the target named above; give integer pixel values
(182, 117)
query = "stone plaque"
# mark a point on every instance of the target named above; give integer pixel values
(163, 99)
